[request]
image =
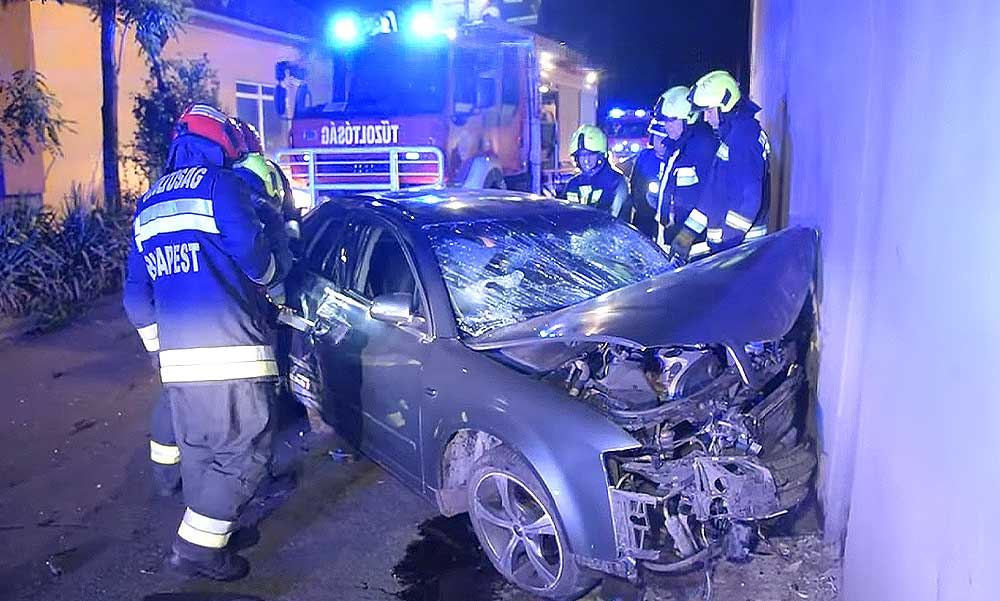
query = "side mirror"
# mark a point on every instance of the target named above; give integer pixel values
(393, 308)
(280, 100)
(303, 97)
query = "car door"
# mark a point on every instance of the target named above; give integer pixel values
(375, 373)
(323, 299)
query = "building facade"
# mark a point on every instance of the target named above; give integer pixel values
(242, 40)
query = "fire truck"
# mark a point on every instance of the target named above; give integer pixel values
(628, 134)
(483, 104)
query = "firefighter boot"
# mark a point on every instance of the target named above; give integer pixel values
(244, 538)
(201, 562)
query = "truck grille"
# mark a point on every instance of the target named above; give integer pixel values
(362, 169)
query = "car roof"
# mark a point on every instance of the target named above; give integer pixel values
(430, 206)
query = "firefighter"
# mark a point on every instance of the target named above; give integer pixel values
(644, 181)
(598, 184)
(737, 199)
(272, 201)
(649, 174)
(685, 174)
(197, 270)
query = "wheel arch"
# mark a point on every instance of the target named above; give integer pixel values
(576, 484)
(479, 171)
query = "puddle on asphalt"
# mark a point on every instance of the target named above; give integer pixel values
(445, 563)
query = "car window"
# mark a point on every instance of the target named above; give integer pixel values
(383, 268)
(503, 271)
(322, 255)
(511, 78)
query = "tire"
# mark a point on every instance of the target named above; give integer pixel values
(522, 537)
(495, 181)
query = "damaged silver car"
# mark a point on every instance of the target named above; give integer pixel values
(544, 368)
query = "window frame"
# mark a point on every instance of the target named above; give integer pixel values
(318, 258)
(259, 97)
(365, 225)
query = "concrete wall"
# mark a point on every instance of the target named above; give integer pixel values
(66, 49)
(885, 125)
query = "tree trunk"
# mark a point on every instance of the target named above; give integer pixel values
(109, 108)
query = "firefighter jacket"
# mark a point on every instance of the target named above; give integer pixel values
(688, 171)
(644, 190)
(197, 269)
(737, 199)
(605, 190)
(269, 212)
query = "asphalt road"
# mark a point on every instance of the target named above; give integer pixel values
(78, 521)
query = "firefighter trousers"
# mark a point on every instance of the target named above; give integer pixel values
(163, 450)
(224, 437)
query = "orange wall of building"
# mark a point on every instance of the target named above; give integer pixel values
(16, 55)
(67, 51)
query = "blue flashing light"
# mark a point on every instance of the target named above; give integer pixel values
(616, 113)
(640, 113)
(344, 30)
(423, 24)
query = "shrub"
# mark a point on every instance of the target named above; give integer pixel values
(29, 117)
(158, 107)
(54, 264)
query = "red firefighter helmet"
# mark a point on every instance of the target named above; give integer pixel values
(251, 137)
(212, 124)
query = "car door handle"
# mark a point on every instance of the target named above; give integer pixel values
(431, 392)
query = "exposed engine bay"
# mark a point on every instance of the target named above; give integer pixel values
(720, 449)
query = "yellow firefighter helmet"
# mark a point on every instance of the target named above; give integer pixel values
(717, 89)
(589, 137)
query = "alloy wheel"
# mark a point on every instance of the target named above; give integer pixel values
(520, 533)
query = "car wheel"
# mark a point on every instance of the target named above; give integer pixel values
(495, 181)
(519, 529)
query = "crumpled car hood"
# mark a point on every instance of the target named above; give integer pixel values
(751, 293)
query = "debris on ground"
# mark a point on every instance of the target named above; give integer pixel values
(81, 425)
(54, 568)
(784, 569)
(342, 456)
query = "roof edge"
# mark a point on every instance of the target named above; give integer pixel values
(211, 17)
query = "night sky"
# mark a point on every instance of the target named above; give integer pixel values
(647, 46)
(643, 46)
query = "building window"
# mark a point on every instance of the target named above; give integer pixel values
(255, 104)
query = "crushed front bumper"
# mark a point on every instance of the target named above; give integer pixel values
(668, 521)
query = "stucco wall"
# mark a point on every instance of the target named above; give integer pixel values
(886, 129)
(16, 55)
(67, 51)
